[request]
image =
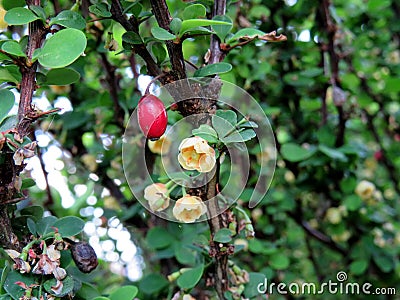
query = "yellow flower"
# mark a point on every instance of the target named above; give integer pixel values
(160, 146)
(196, 154)
(188, 297)
(157, 196)
(365, 189)
(189, 208)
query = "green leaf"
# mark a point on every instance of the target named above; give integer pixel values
(44, 225)
(8, 123)
(228, 115)
(74, 120)
(279, 261)
(184, 254)
(63, 48)
(158, 238)
(252, 287)
(20, 16)
(34, 211)
(27, 183)
(152, 283)
(223, 235)
(246, 33)
(101, 10)
(358, 267)
(6, 103)
(162, 34)
(87, 290)
(6, 76)
(222, 30)
(14, 290)
(221, 126)
(206, 132)
(293, 152)
(217, 68)
(353, 202)
(69, 19)
(9, 4)
(384, 262)
(198, 31)
(63, 76)
(332, 153)
(192, 23)
(175, 25)
(132, 38)
(39, 11)
(68, 286)
(125, 292)
(159, 52)
(101, 298)
(31, 226)
(392, 85)
(69, 226)
(190, 278)
(13, 48)
(194, 11)
(239, 136)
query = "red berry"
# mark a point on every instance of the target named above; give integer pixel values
(152, 116)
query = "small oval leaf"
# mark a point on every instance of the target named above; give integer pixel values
(69, 19)
(6, 103)
(63, 48)
(192, 23)
(194, 11)
(20, 16)
(190, 278)
(222, 30)
(13, 48)
(63, 76)
(125, 292)
(213, 69)
(44, 225)
(223, 235)
(131, 37)
(69, 226)
(162, 34)
(293, 152)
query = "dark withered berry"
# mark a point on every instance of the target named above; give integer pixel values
(84, 256)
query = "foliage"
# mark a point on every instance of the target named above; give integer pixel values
(331, 98)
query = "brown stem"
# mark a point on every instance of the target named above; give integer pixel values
(28, 83)
(216, 54)
(9, 171)
(218, 221)
(163, 17)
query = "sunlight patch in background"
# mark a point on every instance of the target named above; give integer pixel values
(109, 238)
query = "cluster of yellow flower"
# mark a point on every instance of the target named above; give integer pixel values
(194, 154)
